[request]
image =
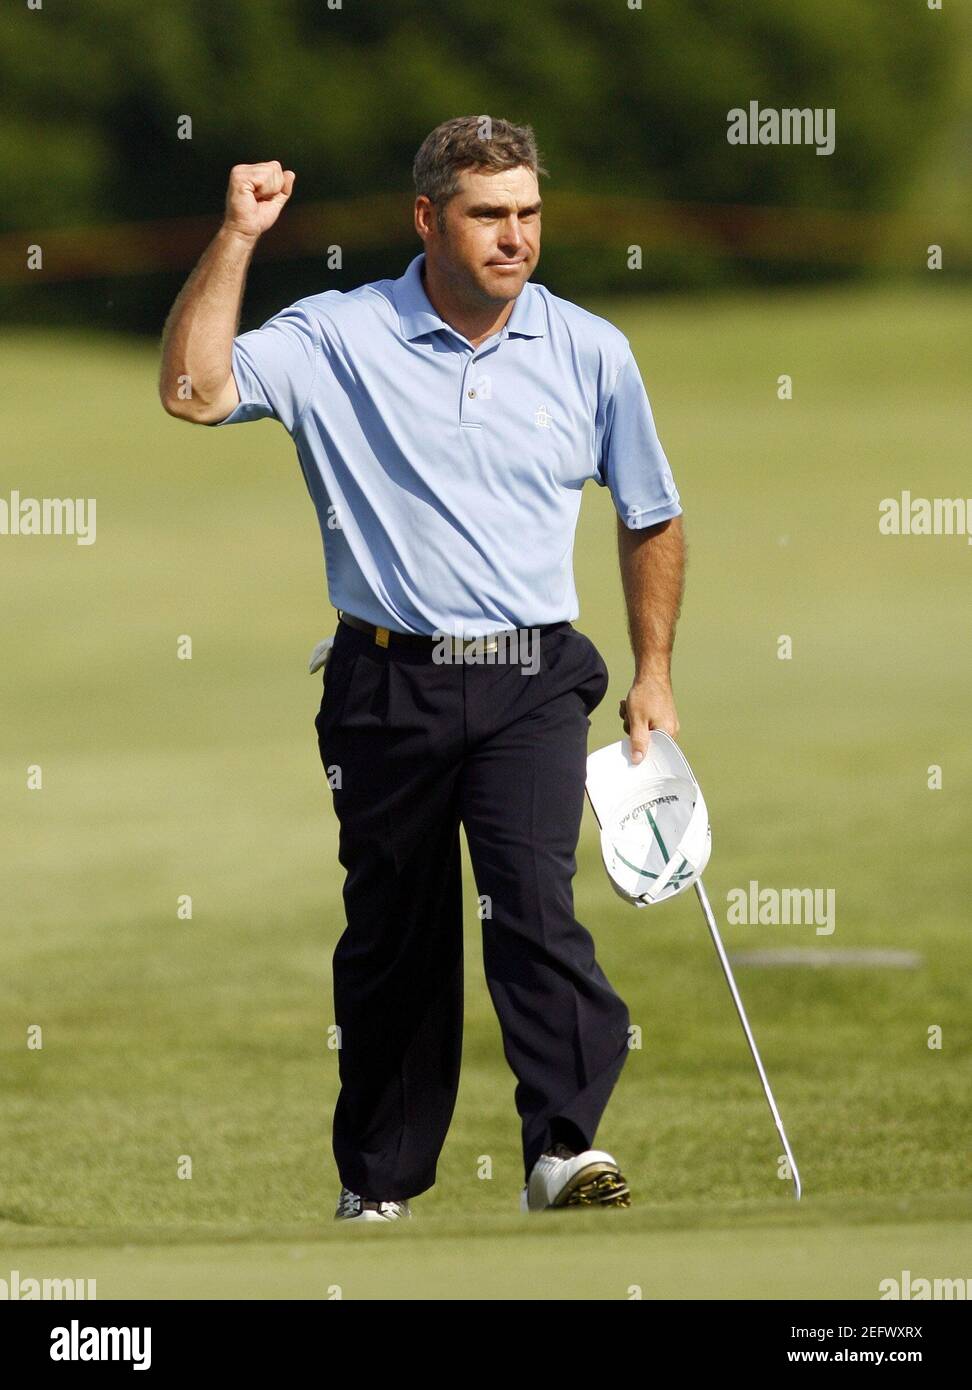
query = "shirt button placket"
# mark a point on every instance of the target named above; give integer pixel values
(469, 396)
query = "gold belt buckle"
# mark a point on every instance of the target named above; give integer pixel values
(460, 645)
(381, 636)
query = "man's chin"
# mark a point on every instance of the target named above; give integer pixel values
(502, 285)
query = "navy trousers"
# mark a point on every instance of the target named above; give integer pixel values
(412, 748)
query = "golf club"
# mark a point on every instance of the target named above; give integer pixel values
(727, 971)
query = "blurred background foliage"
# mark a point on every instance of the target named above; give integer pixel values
(629, 107)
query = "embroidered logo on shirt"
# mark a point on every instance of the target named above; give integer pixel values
(543, 418)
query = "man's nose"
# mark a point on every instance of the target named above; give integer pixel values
(512, 233)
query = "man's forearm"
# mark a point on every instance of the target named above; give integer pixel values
(196, 380)
(197, 341)
(652, 564)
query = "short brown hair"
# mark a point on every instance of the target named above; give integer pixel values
(470, 142)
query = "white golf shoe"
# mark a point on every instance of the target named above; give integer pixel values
(351, 1207)
(565, 1179)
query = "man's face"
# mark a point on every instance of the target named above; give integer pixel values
(491, 240)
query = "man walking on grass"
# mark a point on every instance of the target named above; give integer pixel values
(445, 423)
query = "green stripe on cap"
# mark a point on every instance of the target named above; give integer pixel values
(657, 834)
(677, 876)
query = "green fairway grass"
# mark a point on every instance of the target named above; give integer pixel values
(589, 1255)
(208, 1038)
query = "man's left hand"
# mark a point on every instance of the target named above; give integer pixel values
(649, 705)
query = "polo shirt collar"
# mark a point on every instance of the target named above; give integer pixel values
(417, 315)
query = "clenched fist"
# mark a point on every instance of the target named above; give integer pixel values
(255, 196)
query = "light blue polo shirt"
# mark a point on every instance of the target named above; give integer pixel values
(447, 478)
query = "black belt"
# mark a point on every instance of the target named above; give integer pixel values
(384, 636)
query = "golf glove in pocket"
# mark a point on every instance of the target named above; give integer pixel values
(321, 655)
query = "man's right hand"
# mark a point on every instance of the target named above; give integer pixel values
(255, 197)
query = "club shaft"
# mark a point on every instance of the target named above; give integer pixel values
(767, 1091)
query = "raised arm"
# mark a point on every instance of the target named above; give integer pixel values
(196, 379)
(652, 563)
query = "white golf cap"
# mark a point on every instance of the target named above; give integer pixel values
(655, 835)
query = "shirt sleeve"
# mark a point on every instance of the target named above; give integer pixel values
(274, 368)
(631, 461)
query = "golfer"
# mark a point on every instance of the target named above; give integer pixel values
(446, 422)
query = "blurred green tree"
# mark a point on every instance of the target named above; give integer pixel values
(624, 100)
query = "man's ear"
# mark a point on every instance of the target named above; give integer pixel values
(424, 215)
